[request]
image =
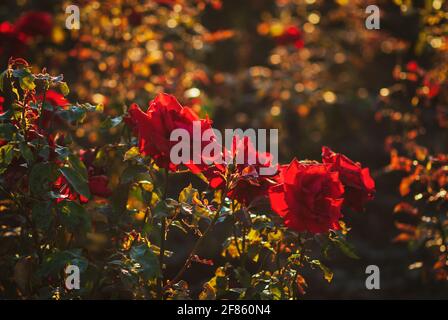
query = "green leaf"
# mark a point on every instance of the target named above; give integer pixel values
(2, 77)
(42, 215)
(243, 277)
(63, 152)
(161, 210)
(55, 263)
(76, 180)
(276, 292)
(26, 78)
(148, 264)
(72, 114)
(64, 88)
(73, 216)
(131, 173)
(26, 152)
(91, 107)
(78, 165)
(328, 274)
(7, 131)
(44, 152)
(6, 156)
(188, 194)
(343, 245)
(40, 177)
(131, 153)
(111, 122)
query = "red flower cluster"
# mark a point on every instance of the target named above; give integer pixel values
(308, 195)
(14, 38)
(249, 185)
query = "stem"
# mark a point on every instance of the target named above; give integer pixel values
(301, 259)
(199, 242)
(162, 242)
(235, 234)
(41, 116)
(244, 249)
(235, 238)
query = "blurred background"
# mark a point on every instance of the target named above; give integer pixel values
(310, 68)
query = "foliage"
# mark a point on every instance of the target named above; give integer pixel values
(59, 207)
(415, 108)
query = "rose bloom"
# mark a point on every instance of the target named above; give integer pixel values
(309, 197)
(249, 185)
(154, 128)
(56, 100)
(359, 185)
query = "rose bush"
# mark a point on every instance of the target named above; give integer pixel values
(112, 211)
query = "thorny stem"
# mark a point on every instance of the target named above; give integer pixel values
(244, 249)
(162, 241)
(41, 116)
(302, 254)
(235, 235)
(235, 238)
(199, 242)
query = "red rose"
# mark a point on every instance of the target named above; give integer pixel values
(249, 184)
(292, 34)
(309, 197)
(154, 128)
(98, 186)
(359, 185)
(56, 100)
(35, 23)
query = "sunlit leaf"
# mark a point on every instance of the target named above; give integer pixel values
(73, 216)
(148, 264)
